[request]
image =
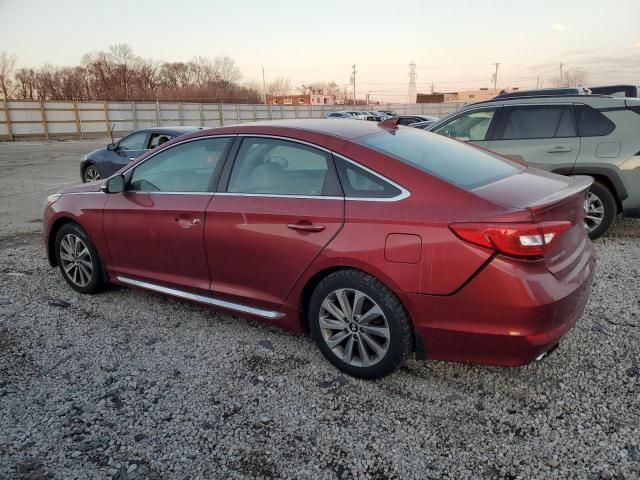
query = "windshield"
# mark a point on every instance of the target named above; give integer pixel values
(463, 165)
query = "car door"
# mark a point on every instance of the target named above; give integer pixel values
(543, 136)
(280, 204)
(126, 150)
(474, 126)
(154, 229)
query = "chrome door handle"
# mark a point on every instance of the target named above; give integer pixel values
(195, 221)
(559, 149)
(306, 227)
(131, 159)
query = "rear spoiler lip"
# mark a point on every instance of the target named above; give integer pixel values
(579, 183)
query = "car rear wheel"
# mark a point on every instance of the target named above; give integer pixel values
(359, 324)
(600, 210)
(78, 259)
(91, 174)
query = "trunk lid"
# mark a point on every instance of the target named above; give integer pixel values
(548, 198)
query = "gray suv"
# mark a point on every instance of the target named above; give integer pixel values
(592, 135)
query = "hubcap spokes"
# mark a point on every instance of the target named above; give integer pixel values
(76, 260)
(92, 174)
(594, 212)
(354, 327)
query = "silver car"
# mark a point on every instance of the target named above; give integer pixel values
(594, 135)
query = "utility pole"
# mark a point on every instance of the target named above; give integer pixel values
(264, 86)
(495, 76)
(411, 96)
(432, 87)
(561, 77)
(538, 82)
(353, 81)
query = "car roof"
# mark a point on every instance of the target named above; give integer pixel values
(177, 129)
(326, 126)
(593, 100)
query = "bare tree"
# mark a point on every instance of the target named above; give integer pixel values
(320, 88)
(118, 74)
(226, 70)
(7, 64)
(26, 84)
(571, 78)
(279, 86)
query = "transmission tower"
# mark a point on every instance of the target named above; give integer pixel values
(411, 95)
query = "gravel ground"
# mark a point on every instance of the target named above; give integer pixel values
(128, 385)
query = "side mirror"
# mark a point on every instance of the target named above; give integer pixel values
(111, 147)
(113, 185)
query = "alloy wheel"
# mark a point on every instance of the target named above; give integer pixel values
(594, 212)
(354, 327)
(76, 260)
(91, 174)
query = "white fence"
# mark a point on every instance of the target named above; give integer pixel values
(34, 119)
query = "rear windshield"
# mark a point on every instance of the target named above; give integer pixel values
(451, 160)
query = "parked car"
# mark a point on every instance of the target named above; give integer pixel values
(423, 125)
(379, 240)
(383, 115)
(409, 119)
(568, 134)
(360, 115)
(340, 115)
(390, 113)
(104, 162)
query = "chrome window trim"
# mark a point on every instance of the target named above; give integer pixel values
(136, 165)
(201, 298)
(404, 193)
(277, 195)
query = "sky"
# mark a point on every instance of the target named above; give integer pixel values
(454, 44)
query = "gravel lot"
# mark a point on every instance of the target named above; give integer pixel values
(128, 385)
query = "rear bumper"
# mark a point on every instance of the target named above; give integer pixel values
(508, 315)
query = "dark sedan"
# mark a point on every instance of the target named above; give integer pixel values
(104, 162)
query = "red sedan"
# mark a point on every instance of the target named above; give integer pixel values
(380, 240)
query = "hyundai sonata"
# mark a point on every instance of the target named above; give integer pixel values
(380, 240)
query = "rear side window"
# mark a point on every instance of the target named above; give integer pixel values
(592, 123)
(465, 166)
(528, 122)
(278, 167)
(359, 183)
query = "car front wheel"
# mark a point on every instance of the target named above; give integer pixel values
(359, 324)
(78, 259)
(91, 174)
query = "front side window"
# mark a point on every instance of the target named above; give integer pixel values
(528, 122)
(465, 166)
(135, 141)
(188, 167)
(278, 167)
(158, 139)
(469, 127)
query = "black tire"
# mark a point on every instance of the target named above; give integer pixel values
(91, 174)
(609, 206)
(396, 322)
(74, 266)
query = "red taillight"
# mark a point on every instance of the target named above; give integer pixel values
(518, 239)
